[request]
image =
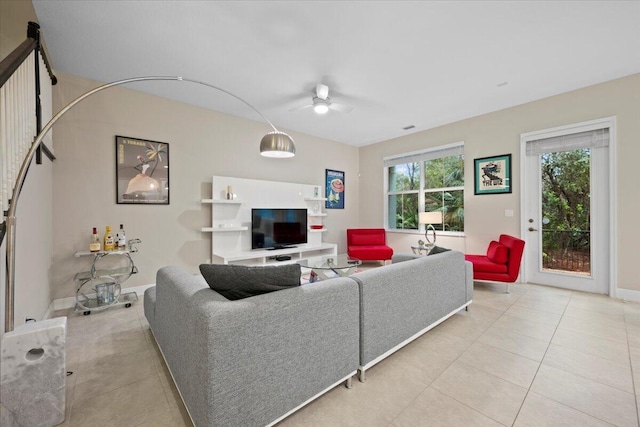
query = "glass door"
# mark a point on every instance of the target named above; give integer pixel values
(566, 213)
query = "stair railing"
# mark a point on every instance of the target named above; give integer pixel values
(26, 82)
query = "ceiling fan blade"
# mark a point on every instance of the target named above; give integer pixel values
(322, 91)
(341, 107)
(301, 107)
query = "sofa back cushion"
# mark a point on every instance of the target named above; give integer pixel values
(516, 248)
(366, 236)
(238, 281)
(437, 250)
(498, 252)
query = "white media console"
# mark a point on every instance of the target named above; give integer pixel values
(267, 257)
(231, 220)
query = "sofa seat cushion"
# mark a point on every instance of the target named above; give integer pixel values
(498, 253)
(370, 252)
(484, 264)
(238, 281)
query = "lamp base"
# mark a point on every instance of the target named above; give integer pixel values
(426, 235)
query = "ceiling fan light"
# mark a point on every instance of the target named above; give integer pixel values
(277, 144)
(320, 108)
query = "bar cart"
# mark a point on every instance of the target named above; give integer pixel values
(100, 288)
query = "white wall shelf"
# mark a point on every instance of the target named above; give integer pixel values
(222, 229)
(222, 201)
(230, 225)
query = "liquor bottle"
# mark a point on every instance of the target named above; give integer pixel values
(108, 239)
(122, 239)
(94, 243)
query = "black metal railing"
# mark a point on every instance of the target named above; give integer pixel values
(8, 66)
(566, 250)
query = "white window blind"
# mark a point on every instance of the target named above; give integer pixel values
(575, 141)
(423, 155)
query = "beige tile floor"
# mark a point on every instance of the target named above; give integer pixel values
(538, 356)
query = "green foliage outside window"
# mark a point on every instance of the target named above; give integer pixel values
(403, 208)
(443, 191)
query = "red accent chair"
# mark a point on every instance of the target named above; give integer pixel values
(368, 244)
(502, 261)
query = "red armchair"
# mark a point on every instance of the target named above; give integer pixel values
(502, 261)
(368, 244)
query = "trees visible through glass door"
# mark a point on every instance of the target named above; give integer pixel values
(566, 214)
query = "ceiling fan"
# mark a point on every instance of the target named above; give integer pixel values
(321, 103)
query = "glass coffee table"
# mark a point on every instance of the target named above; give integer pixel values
(329, 266)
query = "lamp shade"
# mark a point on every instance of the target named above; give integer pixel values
(277, 144)
(430, 217)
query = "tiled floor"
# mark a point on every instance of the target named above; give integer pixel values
(538, 356)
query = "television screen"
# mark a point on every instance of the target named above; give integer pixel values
(275, 228)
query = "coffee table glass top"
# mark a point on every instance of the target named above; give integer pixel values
(330, 262)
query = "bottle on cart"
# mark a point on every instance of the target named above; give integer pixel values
(122, 239)
(94, 243)
(108, 239)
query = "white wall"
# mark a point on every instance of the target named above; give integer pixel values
(202, 143)
(499, 133)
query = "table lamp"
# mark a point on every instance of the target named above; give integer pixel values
(430, 218)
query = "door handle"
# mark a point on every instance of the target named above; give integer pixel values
(533, 229)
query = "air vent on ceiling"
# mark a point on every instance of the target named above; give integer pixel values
(408, 127)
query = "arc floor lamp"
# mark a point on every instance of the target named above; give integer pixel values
(273, 144)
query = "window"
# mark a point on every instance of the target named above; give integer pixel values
(426, 181)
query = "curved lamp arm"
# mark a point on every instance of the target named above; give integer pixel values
(11, 213)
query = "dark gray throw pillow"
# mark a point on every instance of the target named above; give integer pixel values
(437, 250)
(238, 281)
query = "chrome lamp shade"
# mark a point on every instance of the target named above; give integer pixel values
(277, 144)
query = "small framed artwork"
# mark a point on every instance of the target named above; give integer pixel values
(334, 190)
(492, 175)
(142, 171)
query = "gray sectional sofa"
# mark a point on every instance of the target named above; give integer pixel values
(254, 361)
(401, 301)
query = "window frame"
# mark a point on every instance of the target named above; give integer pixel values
(418, 156)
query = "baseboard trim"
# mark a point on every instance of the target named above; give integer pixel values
(49, 313)
(70, 302)
(628, 295)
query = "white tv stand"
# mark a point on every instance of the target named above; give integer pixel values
(231, 220)
(267, 257)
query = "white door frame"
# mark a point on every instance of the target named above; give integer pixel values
(607, 122)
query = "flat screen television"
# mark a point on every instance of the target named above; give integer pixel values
(277, 228)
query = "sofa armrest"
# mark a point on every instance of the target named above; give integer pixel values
(254, 359)
(469, 279)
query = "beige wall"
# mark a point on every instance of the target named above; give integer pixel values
(499, 133)
(202, 143)
(34, 214)
(14, 16)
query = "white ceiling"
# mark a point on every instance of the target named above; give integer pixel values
(397, 63)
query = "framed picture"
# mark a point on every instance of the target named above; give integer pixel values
(492, 175)
(334, 189)
(142, 171)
